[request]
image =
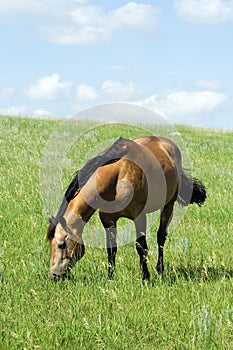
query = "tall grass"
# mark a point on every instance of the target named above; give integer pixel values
(190, 308)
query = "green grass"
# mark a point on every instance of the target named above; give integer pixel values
(190, 308)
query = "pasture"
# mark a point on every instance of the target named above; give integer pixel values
(191, 307)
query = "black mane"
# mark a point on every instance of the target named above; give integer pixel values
(109, 156)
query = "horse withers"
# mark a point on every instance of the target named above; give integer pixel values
(129, 179)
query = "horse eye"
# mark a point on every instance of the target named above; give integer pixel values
(62, 246)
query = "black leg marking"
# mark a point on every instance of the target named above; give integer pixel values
(141, 245)
(165, 219)
(112, 250)
(111, 243)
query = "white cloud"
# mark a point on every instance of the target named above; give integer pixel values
(204, 11)
(81, 2)
(15, 111)
(77, 23)
(193, 102)
(136, 16)
(86, 93)
(36, 10)
(73, 35)
(49, 88)
(42, 113)
(177, 105)
(90, 24)
(208, 84)
(119, 90)
(89, 15)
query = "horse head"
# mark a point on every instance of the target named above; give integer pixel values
(66, 247)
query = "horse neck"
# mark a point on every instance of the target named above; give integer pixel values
(78, 213)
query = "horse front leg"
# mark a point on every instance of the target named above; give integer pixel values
(165, 219)
(111, 243)
(141, 245)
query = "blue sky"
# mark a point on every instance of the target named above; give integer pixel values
(59, 57)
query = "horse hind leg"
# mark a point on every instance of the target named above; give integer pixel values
(165, 219)
(141, 245)
(111, 249)
(111, 243)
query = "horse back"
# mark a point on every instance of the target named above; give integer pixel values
(147, 174)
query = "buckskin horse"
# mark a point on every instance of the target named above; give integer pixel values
(129, 179)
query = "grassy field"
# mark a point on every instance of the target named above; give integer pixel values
(190, 308)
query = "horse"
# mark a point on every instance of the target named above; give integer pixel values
(129, 179)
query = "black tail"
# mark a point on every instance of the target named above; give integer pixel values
(191, 191)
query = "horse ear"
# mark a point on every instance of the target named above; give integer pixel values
(51, 219)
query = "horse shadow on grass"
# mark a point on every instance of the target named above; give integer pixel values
(194, 274)
(172, 276)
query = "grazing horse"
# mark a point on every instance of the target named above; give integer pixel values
(129, 179)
